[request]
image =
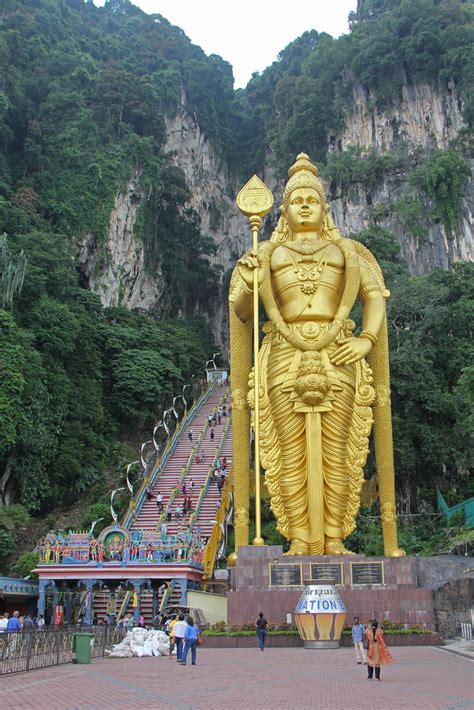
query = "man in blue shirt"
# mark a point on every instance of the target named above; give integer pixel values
(14, 623)
(358, 632)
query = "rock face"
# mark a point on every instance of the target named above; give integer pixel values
(423, 117)
(115, 269)
(212, 187)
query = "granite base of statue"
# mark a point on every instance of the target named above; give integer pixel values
(320, 614)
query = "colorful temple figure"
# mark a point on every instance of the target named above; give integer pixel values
(101, 552)
(57, 551)
(66, 552)
(321, 386)
(93, 545)
(149, 552)
(47, 551)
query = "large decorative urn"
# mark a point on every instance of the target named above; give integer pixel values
(320, 614)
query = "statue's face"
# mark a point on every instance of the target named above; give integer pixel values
(305, 211)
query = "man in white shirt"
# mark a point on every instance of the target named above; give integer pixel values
(178, 630)
(3, 623)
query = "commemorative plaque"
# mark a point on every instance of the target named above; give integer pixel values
(285, 575)
(367, 573)
(326, 570)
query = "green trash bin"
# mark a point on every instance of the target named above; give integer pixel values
(82, 646)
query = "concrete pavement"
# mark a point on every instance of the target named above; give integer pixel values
(284, 678)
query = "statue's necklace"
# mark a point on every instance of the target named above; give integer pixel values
(310, 275)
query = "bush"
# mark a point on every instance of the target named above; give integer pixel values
(26, 564)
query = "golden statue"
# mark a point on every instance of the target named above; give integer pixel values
(318, 395)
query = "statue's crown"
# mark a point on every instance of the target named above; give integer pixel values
(302, 163)
(303, 173)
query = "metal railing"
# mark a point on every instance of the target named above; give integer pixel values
(204, 488)
(210, 551)
(466, 631)
(136, 503)
(28, 650)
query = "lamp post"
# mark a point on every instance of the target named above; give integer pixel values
(112, 496)
(129, 485)
(142, 448)
(165, 414)
(184, 398)
(89, 534)
(153, 436)
(174, 410)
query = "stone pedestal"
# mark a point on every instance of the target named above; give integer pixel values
(398, 598)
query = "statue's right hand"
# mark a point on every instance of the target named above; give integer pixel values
(247, 265)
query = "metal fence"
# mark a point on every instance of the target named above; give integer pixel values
(31, 649)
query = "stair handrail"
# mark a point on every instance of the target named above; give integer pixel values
(210, 551)
(186, 467)
(194, 516)
(123, 606)
(136, 503)
(167, 594)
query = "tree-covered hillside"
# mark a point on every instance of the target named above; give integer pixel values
(85, 94)
(308, 93)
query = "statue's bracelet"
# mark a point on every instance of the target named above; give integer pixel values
(368, 336)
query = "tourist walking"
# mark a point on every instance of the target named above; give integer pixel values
(358, 633)
(190, 435)
(261, 626)
(179, 630)
(14, 623)
(159, 501)
(377, 651)
(191, 635)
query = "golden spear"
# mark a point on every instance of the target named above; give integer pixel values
(255, 200)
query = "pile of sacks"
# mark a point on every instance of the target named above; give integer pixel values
(140, 642)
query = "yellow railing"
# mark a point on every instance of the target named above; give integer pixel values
(123, 606)
(210, 551)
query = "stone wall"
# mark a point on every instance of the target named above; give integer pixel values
(454, 605)
(285, 641)
(405, 597)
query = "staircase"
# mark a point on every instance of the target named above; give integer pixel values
(146, 604)
(148, 518)
(211, 501)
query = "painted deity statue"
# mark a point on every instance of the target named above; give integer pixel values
(321, 385)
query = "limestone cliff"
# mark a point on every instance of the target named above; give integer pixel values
(422, 117)
(116, 269)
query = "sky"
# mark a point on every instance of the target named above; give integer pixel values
(249, 34)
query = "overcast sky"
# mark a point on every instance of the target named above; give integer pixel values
(250, 33)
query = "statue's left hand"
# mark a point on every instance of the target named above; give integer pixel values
(351, 350)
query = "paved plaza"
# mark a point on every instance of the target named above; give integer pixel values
(246, 678)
